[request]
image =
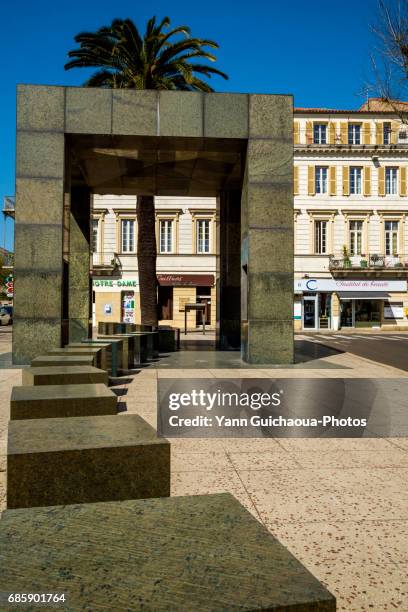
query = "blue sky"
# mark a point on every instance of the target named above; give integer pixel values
(318, 50)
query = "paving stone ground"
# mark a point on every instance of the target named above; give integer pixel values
(339, 505)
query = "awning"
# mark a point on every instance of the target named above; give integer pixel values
(186, 280)
(364, 295)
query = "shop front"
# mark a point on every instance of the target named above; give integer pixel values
(327, 303)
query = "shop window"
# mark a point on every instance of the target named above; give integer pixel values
(320, 237)
(165, 303)
(128, 235)
(203, 235)
(356, 237)
(367, 313)
(391, 237)
(166, 235)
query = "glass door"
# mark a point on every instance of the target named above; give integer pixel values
(309, 312)
(346, 313)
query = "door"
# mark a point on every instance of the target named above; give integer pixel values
(346, 313)
(309, 312)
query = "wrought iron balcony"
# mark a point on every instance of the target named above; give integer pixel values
(105, 262)
(9, 206)
(372, 265)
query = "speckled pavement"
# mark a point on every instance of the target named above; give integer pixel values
(339, 505)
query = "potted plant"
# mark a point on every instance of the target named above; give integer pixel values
(346, 257)
(363, 261)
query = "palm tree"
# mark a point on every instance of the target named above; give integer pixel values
(159, 60)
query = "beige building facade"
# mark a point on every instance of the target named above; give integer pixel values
(350, 217)
(186, 259)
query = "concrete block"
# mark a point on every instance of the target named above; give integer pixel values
(64, 375)
(46, 361)
(98, 354)
(225, 115)
(34, 335)
(39, 200)
(270, 342)
(202, 553)
(104, 352)
(40, 107)
(134, 112)
(181, 113)
(169, 339)
(85, 459)
(88, 110)
(53, 401)
(36, 245)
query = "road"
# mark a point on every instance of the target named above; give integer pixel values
(387, 348)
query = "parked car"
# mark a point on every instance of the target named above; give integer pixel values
(6, 315)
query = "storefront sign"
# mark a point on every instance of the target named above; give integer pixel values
(331, 284)
(186, 280)
(393, 310)
(121, 283)
(297, 310)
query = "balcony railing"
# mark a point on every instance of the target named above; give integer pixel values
(7, 260)
(105, 260)
(9, 205)
(372, 262)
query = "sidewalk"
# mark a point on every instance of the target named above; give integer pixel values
(340, 505)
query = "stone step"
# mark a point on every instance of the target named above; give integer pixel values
(204, 553)
(98, 354)
(85, 459)
(64, 375)
(53, 401)
(45, 361)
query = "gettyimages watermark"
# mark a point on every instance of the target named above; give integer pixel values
(282, 407)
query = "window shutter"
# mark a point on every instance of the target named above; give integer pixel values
(346, 180)
(309, 132)
(343, 132)
(296, 180)
(367, 180)
(394, 132)
(332, 184)
(379, 133)
(403, 181)
(311, 180)
(381, 181)
(366, 133)
(296, 132)
(332, 132)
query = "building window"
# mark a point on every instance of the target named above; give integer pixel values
(95, 227)
(321, 179)
(203, 235)
(387, 133)
(391, 237)
(355, 180)
(320, 237)
(356, 237)
(391, 177)
(128, 236)
(320, 133)
(354, 133)
(166, 236)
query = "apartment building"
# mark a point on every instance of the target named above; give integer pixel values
(350, 208)
(186, 259)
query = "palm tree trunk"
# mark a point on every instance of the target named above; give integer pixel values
(146, 259)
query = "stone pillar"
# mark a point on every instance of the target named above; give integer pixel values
(335, 311)
(228, 270)
(39, 220)
(79, 289)
(267, 233)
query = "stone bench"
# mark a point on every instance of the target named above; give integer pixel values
(53, 401)
(64, 375)
(45, 361)
(110, 348)
(85, 459)
(202, 553)
(98, 354)
(109, 328)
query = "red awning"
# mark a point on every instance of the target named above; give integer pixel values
(186, 280)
